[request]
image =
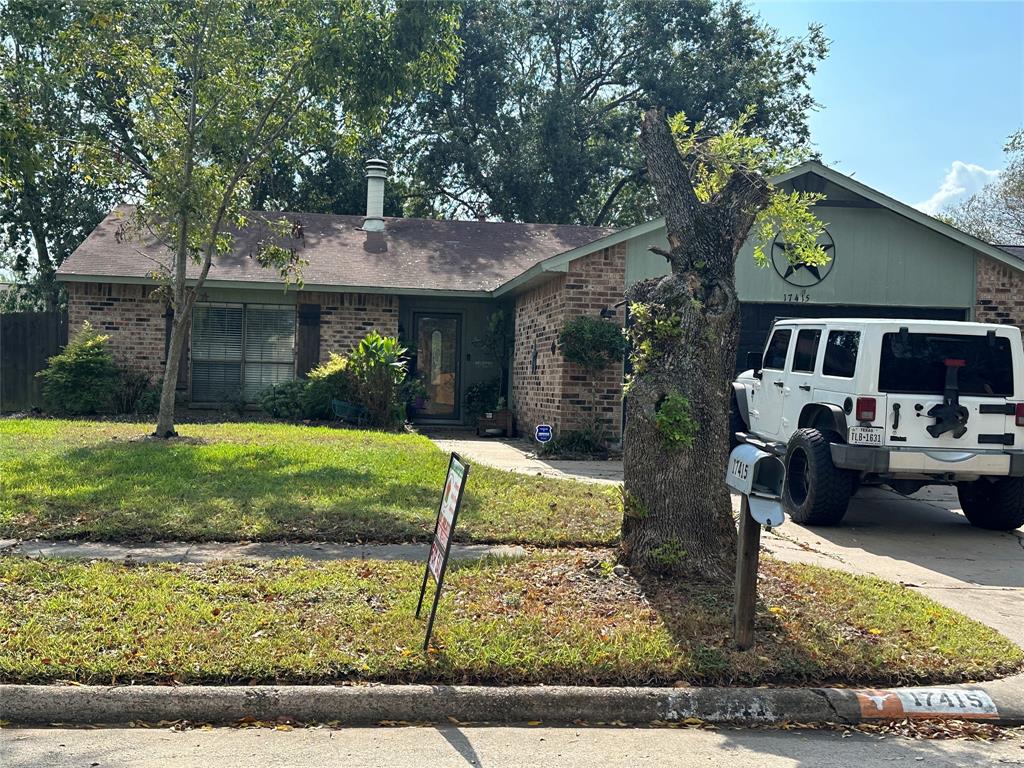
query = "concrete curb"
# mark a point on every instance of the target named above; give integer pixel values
(370, 704)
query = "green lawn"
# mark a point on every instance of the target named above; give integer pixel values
(557, 617)
(257, 481)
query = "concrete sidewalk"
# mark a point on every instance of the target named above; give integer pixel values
(186, 552)
(517, 455)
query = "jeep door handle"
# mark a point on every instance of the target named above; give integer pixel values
(778, 384)
(805, 387)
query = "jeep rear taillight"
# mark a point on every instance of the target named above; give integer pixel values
(865, 409)
(1019, 414)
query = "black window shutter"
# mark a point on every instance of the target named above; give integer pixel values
(308, 340)
(182, 382)
(168, 322)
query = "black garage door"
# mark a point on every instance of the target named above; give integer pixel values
(756, 319)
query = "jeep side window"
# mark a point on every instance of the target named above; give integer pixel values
(841, 354)
(775, 355)
(806, 352)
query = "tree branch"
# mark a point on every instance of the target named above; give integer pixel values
(671, 178)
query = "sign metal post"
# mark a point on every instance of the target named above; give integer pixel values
(441, 541)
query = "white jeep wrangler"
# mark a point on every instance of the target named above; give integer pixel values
(905, 403)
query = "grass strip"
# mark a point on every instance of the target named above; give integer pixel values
(555, 617)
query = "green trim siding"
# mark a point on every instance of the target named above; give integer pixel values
(882, 258)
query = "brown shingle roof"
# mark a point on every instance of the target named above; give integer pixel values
(1013, 250)
(420, 254)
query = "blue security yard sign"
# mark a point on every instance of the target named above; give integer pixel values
(543, 433)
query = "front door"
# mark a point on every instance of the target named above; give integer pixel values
(437, 363)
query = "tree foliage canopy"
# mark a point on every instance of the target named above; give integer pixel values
(189, 103)
(996, 213)
(48, 204)
(540, 122)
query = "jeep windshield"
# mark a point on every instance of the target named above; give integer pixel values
(915, 363)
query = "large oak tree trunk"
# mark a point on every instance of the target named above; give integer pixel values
(678, 516)
(684, 333)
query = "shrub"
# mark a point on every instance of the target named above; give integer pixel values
(378, 365)
(284, 400)
(592, 343)
(482, 398)
(132, 385)
(149, 401)
(83, 378)
(328, 381)
(577, 443)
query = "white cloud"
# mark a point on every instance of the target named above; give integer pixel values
(962, 180)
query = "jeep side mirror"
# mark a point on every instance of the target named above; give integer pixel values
(755, 361)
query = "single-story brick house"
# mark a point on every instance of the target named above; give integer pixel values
(435, 284)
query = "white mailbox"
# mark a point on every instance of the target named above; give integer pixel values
(758, 475)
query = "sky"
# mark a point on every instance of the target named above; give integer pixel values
(917, 98)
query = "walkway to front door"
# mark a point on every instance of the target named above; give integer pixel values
(516, 455)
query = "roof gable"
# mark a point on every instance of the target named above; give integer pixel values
(884, 201)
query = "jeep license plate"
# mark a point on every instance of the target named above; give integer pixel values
(865, 435)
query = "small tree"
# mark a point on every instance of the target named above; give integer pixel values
(713, 189)
(192, 100)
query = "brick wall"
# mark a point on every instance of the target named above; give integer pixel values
(345, 318)
(554, 391)
(1000, 293)
(131, 316)
(595, 282)
(536, 369)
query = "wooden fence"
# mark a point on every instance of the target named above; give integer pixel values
(27, 340)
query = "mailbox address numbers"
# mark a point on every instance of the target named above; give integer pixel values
(740, 469)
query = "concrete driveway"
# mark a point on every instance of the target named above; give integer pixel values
(924, 542)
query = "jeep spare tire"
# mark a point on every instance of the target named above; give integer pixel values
(816, 492)
(993, 504)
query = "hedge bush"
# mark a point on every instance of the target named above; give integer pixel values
(328, 381)
(83, 379)
(285, 400)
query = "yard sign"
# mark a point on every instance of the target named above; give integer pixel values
(444, 527)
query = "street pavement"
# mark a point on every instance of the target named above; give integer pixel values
(458, 747)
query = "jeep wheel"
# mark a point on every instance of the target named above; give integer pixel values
(816, 492)
(994, 504)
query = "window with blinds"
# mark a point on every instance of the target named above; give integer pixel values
(240, 350)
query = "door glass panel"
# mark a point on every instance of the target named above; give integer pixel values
(806, 351)
(437, 359)
(775, 356)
